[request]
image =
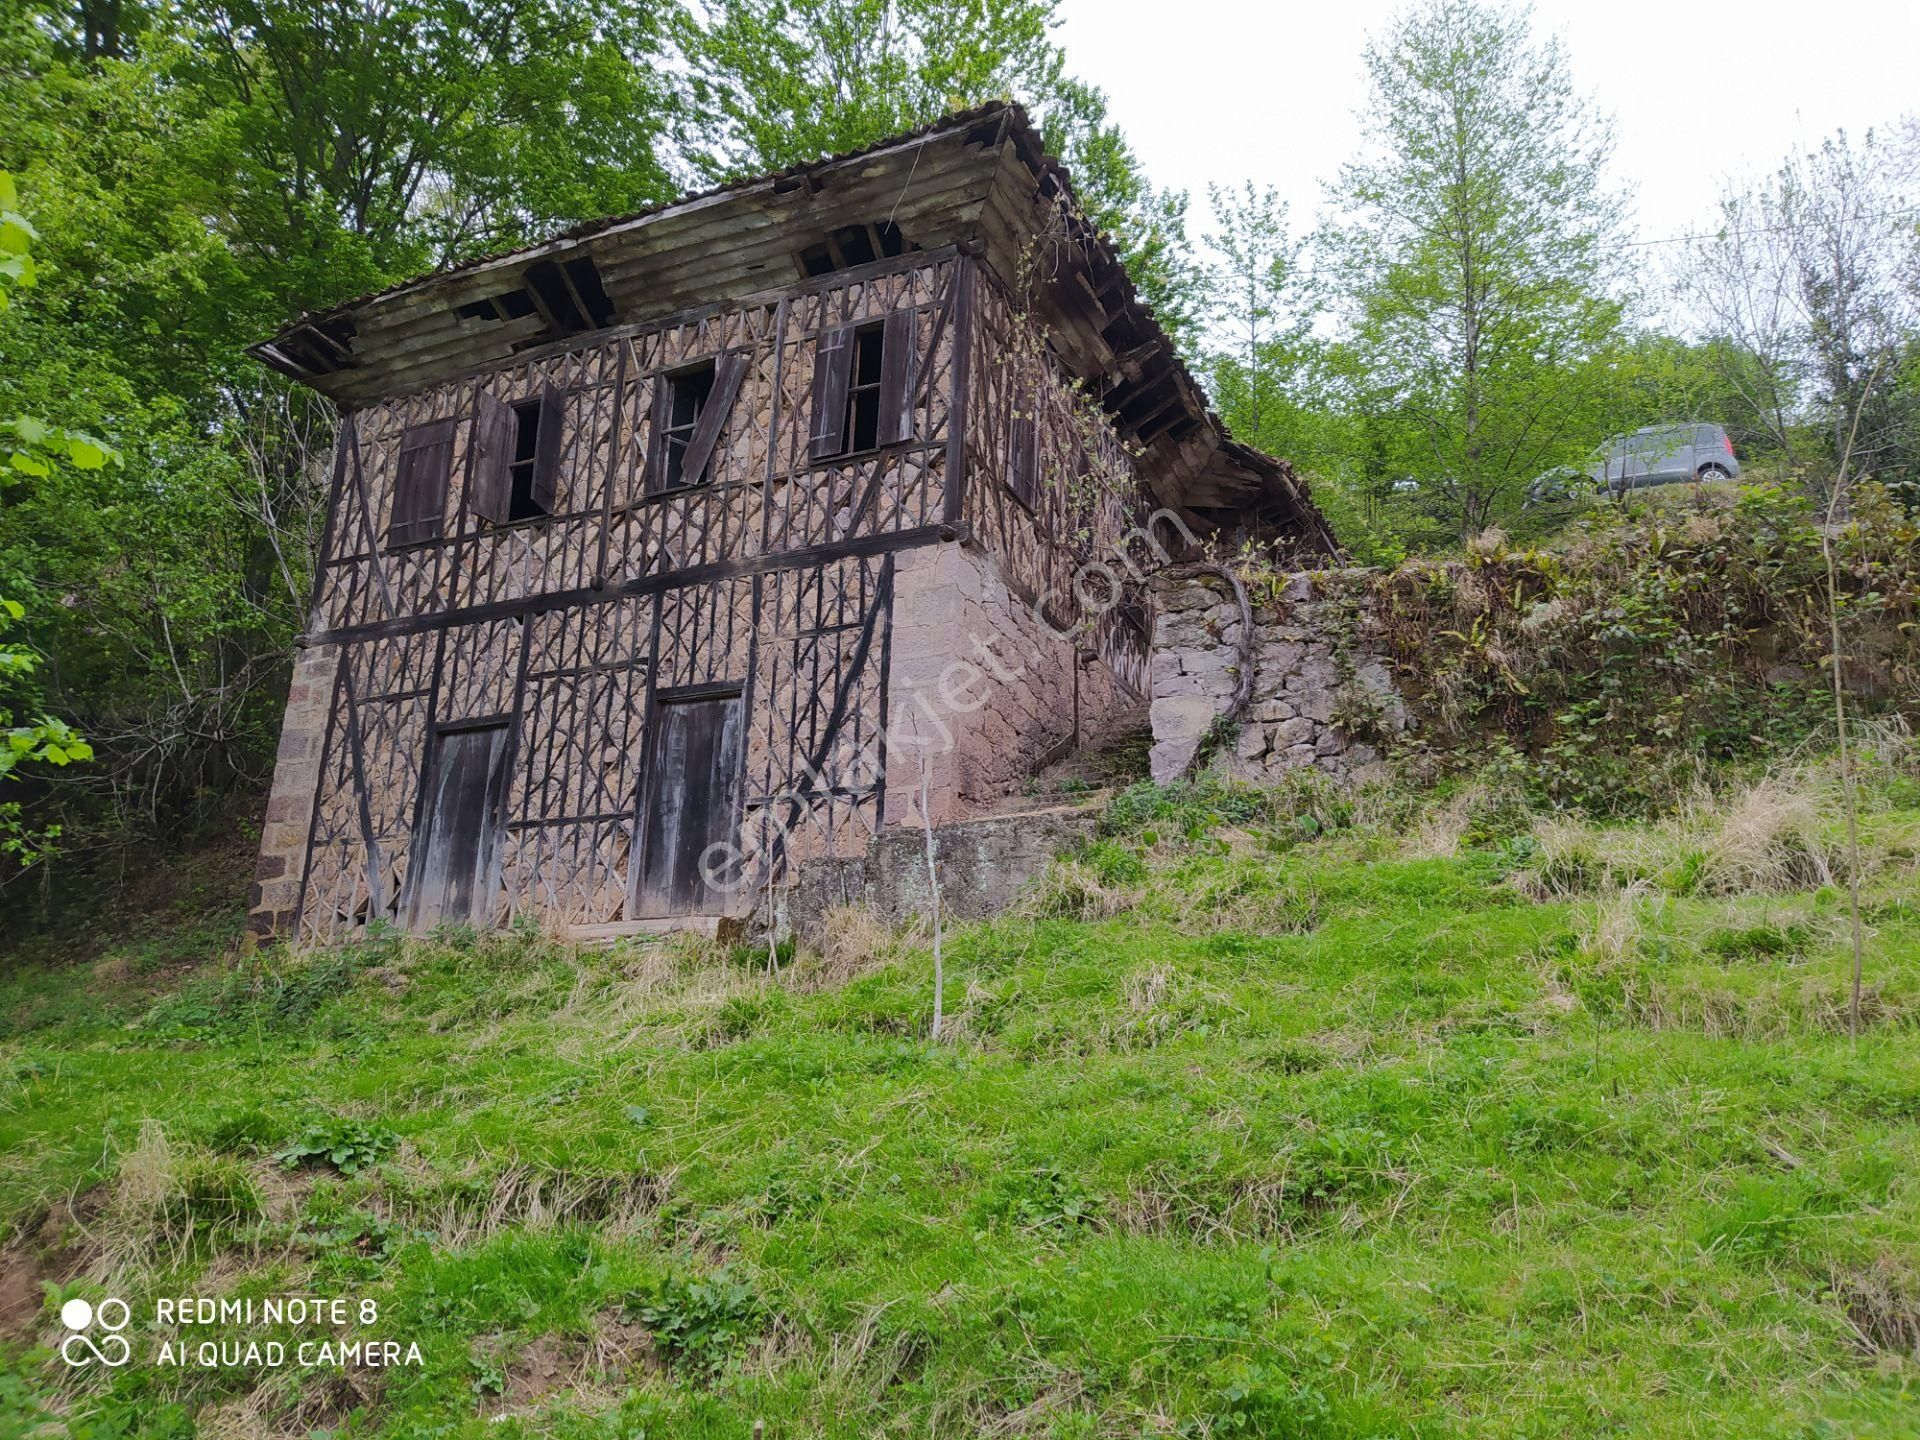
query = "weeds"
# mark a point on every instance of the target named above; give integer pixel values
(348, 1146)
(701, 1323)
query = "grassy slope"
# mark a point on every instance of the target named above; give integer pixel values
(1315, 1141)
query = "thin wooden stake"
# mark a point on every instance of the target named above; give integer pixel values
(933, 890)
(1840, 712)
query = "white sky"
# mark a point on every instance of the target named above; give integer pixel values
(1228, 90)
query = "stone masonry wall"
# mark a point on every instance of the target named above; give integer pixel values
(980, 677)
(1308, 678)
(296, 775)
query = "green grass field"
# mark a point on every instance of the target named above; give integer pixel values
(1271, 1117)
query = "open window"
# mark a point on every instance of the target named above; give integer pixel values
(853, 245)
(420, 485)
(863, 387)
(517, 457)
(690, 409)
(687, 395)
(527, 495)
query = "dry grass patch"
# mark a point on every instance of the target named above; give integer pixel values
(1882, 1302)
(1070, 889)
(853, 941)
(528, 1198)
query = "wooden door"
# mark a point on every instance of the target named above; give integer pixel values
(453, 879)
(690, 801)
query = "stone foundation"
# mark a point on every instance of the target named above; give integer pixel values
(272, 907)
(1316, 697)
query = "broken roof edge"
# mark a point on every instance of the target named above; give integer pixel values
(1267, 473)
(682, 204)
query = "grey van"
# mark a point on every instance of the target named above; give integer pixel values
(1663, 455)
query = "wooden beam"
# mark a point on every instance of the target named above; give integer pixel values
(954, 481)
(660, 582)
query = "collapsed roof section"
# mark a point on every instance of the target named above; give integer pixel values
(979, 179)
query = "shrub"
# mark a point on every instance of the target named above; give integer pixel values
(1187, 809)
(1648, 639)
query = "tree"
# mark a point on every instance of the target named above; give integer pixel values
(1261, 363)
(382, 137)
(32, 449)
(781, 82)
(1849, 222)
(1148, 225)
(1471, 257)
(1809, 291)
(201, 172)
(1740, 283)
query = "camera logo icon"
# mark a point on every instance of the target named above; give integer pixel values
(80, 1348)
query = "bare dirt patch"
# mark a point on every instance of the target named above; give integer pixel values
(530, 1373)
(21, 1295)
(56, 1249)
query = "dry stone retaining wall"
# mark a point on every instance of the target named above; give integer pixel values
(1318, 697)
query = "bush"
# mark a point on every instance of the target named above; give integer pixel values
(1650, 639)
(1186, 809)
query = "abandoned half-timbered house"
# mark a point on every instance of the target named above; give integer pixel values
(682, 547)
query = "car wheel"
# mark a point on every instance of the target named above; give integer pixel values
(1708, 473)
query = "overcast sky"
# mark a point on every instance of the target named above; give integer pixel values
(1226, 90)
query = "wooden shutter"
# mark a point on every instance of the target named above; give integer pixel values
(495, 429)
(1021, 462)
(832, 373)
(728, 372)
(546, 455)
(655, 479)
(420, 484)
(899, 361)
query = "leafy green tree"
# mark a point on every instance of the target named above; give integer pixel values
(28, 735)
(775, 83)
(376, 139)
(1471, 257)
(781, 82)
(1263, 365)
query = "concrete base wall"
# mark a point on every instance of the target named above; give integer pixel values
(272, 907)
(983, 866)
(980, 687)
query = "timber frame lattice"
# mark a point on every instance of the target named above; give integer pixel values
(774, 578)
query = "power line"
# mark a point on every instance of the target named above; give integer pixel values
(1754, 230)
